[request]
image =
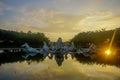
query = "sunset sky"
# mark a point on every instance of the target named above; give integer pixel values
(59, 18)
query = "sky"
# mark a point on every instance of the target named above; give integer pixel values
(59, 18)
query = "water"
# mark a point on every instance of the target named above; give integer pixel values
(46, 68)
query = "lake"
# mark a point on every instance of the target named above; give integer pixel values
(56, 68)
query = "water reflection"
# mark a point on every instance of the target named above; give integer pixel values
(45, 68)
(59, 58)
(18, 57)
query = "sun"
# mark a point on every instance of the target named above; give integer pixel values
(108, 52)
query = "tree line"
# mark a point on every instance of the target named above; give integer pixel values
(96, 37)
(16, 39)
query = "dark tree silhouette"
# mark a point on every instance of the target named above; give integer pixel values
(97, 37)
(16, 39)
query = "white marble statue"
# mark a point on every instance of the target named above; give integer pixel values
(29, 50)
(45, 47)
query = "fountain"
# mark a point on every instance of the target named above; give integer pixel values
(59, 43)
(52, 47)
(72, 46)
(45, 47)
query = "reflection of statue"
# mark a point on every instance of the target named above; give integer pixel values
(59, 43)
(59, 58)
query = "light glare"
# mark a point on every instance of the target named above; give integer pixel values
(108, 52)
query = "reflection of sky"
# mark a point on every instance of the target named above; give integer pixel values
(55, 18)
(48, 69)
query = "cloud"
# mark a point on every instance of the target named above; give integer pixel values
(53, 22)
(112, 18)
(4, 7)
(63, 0)
(50, 20)
(1, 8)
(7, 25)
(56, 23)
(98, 20)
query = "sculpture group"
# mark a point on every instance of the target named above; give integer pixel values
(57, 48)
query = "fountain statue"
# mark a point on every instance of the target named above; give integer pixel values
(52, 47)
(59, 43)
(72, 46)
(45, 47)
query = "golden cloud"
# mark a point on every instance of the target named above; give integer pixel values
(51, 21)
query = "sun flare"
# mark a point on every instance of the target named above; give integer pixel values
(108, 52)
